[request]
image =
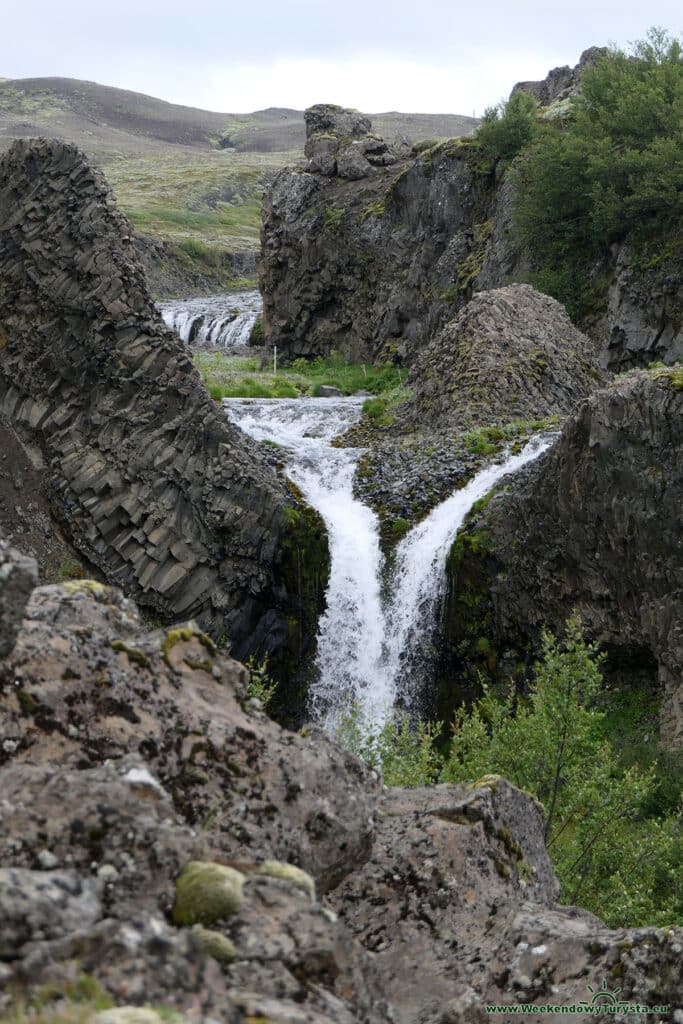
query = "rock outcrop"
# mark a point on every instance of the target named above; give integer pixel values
(511, 354)
(162, 843)
(151, 483)
(373, 260)
(594, 527)
(561, 83)
(367, 254)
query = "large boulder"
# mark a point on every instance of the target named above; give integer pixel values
(152, 483)
(85, 683)
(163, 841)
(511, 354)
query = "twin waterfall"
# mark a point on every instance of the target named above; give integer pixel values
(380, 619)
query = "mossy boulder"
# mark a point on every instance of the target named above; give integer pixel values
(207, 892)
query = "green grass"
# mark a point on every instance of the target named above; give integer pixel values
(229, 376)
(196, 199)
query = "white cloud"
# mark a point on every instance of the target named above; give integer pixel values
(370, 84)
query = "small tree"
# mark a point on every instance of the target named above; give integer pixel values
(508, 127)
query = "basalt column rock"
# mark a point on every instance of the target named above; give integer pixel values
(153, 485)
(511, 354)
(593, 528)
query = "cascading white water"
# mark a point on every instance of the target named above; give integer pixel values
(419, 578)
(351, 631)
(218, 320)
(368, 648)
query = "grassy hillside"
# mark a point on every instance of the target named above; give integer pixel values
(191, 179)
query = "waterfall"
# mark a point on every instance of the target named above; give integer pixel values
(218, 320)
(372, 639)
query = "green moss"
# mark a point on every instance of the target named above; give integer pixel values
(207, 892)
(257, 336)
(293, 876)
(376, 209)
(487, 781)
(303, 574)
(134, 654)
(332, 218)
(84, 587)
(215, 944)
(671, 377)
(511, 845)
(399, 527)
(183, 634)
(503, 869)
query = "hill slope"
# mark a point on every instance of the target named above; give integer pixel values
(190, 180)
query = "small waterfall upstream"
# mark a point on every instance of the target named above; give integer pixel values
(373, 637)
(218, 320)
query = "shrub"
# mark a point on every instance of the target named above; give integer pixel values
(615, 170)
(508, 127)
(610, 854)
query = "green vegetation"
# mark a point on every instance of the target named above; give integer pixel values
(224, 376)
(611, 169)
(260, 684)
(332, 218)
(65, 1002)
(206, 202)
(488, 440)
(612, 826)
(508, 127)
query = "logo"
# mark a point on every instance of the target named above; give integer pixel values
(603, 1002)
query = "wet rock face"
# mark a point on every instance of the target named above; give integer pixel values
(154, 486)
(594, 527)
(159, 834)
(511, 354)
(369, 255)
(644, 317)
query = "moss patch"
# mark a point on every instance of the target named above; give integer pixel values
(207, 892)
(293, 876)
(215, 944)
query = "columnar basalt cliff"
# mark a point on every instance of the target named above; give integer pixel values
(152, 484)
(511, 354)
(593, 528)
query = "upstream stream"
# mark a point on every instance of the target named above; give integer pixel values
(375, 634)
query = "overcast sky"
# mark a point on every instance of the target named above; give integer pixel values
(432, 56)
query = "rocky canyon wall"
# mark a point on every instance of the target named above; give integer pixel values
(148, 479)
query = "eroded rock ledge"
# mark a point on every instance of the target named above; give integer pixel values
(312, 895)
(154, 487)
